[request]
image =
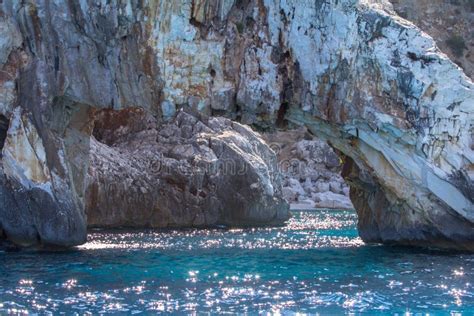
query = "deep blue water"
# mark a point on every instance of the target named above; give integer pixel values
(314, 264)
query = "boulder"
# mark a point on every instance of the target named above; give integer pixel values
(315, 168)
(194, 171)
(289, 194)
(332, 200)
(322, 186)
(346, 190)
(335, 187)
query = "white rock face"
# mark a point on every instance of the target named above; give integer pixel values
(409, 131)
(380, 91)
(185, 60)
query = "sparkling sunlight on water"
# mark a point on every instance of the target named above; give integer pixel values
(314, 264)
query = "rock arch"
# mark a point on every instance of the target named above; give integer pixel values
(351, 71)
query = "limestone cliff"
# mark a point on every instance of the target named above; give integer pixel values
(448, 22)
(352, 71)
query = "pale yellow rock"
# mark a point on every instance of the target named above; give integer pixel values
(24, 157)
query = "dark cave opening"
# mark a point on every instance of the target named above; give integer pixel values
(111, 126)
(281, 121)
(4, 123)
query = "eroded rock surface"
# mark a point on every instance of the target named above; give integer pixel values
(353, 72)
(403, 113)
(311, 171)
(192, 172)
(448, 22)
(36, 205)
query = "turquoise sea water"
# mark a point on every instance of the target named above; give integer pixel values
(315, 264)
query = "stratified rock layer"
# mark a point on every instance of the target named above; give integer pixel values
(371, 83)
(191, 172)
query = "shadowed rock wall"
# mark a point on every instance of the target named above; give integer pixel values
(352, 71)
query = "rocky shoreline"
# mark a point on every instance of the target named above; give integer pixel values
(87, 90)
(311, 171)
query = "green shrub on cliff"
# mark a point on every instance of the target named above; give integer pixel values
(457, 45)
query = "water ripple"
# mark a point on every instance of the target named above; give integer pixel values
(316, 263)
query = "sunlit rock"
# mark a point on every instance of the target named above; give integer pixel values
(36, 205)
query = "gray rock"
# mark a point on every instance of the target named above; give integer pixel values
(335, 187)
(346, 191)
(10, 38)
(168, 109)
(296, 187)
(322, 186)
(220, 173)
(308, 185)
(405, 139)
(30, 212)
(289, 194)
(332, 200)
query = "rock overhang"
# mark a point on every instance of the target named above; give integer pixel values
(370, 82)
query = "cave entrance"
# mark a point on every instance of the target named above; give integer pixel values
(311, 170)
(4, 123)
